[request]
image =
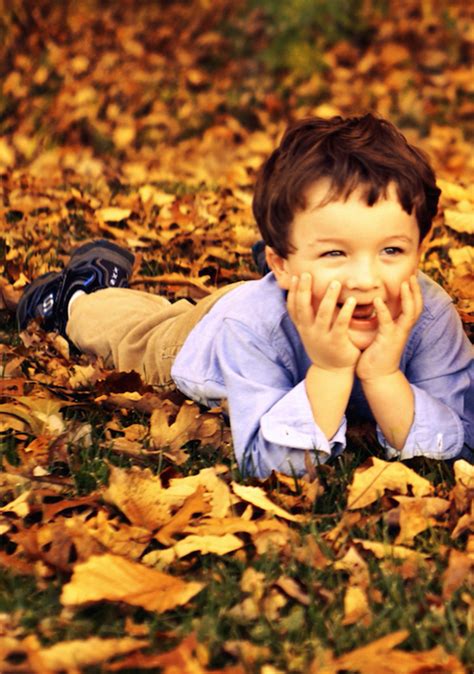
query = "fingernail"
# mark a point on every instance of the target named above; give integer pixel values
(334, 284)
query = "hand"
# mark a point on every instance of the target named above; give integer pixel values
(383, 356)
(325, 338)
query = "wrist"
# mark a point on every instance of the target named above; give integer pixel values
(381, 377)
(345, 371)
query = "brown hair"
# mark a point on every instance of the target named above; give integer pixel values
(364, 151)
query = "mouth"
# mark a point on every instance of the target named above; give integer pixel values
(362, 312)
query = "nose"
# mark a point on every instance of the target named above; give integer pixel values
(363, 274)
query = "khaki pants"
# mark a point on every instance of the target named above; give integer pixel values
(135, 330)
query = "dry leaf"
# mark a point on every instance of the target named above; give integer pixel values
(112, 578)
(416, 515)
(257, 497)
(383, 550)
(460, 222)
(194, 504)
(356, 606)
(87, 652)
(371, 480)
(382, 652)
(460, 566)
(141, 497)
(113, 214)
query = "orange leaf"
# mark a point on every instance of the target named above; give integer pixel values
(113, 578)
(371, 480)
(257, 497)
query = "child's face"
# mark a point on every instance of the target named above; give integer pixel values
(371, 250)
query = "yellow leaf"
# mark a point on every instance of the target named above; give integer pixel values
(382, 550)
(464, 255)
(371, 480)
(192, 505)
(453, 191)
(112, 578)
(356, 606)
(257, 497)
(381, 655)
(113, 214)
(417, 514)
(217, 545)
(67, 655)
(460, 222)
(140, 496)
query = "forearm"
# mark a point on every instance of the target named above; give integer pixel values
(328, 393)
(392, 402)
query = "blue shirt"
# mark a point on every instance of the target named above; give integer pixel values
(247, 351)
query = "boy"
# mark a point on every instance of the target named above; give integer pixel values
(342, 325)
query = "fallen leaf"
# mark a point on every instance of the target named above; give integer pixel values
(218, 545)
(383, 550)
(416, 515)
(368, 659)
(113, 214)
(194, 504)
(356, 606)
(112, 578)
(375, 476)
(83, 653)
(460, 222)
(257, 497)
(459, 568)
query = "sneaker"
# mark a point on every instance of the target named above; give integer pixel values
(93, 266)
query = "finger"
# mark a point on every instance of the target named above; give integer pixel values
(303, 300)
(291, 298)
(341, 324)
(418, 297)
(327, 306)
(407, 316)
(384, 316)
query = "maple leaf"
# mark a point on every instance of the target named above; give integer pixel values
(417, 514)
(112, 578)
(371, 480)
(257, 497)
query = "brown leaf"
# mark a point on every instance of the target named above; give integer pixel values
(140, 496)
(190, 424)
(418, 514)
(87, 652)
(112, 578)
(382, 550)
(375, 476)
(368, 659)
(459, 567)
(257, 497)
(193, 504)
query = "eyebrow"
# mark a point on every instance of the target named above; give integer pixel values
(393, 237)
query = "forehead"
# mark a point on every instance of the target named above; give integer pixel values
(351, 218)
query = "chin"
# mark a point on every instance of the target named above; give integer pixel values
(362, 340)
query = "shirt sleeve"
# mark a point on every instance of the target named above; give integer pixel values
(271, 419)
(440, 374)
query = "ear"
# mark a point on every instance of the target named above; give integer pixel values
(279, 266)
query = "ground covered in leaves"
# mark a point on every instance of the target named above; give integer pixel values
(129, 541)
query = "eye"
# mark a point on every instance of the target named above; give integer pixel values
(393, 250)
(333, 253)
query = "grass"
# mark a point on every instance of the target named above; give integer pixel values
(295, 632)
